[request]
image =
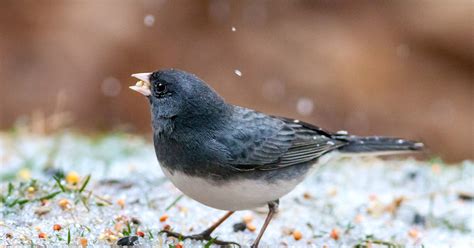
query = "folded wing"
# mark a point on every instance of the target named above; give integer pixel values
(261, 142)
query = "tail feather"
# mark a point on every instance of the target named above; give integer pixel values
(377, 144)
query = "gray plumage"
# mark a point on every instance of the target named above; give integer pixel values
(196, 132)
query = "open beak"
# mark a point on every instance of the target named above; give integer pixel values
(143, 85)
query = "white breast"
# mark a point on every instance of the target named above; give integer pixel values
(233, 195)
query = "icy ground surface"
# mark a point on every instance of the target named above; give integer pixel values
(347, 203)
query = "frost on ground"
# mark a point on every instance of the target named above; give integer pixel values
(71, 189)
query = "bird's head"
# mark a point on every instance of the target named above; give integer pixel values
(175, 94)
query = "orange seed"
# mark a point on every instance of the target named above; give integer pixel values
(56, 227)
(251, 227)
(334, 234)
(297, 235)
(163, 218)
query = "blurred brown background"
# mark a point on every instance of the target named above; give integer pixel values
(399, 68)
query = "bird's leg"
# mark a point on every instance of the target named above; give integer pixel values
(273, 208)
(208, 231)
(206, 234)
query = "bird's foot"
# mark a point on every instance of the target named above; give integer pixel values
(202, 237)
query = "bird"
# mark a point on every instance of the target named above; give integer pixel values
(233, 158)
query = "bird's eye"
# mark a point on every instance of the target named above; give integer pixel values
(160, 89)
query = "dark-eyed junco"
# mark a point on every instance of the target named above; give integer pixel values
(233, 158)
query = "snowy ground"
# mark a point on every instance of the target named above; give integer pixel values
(347, 203)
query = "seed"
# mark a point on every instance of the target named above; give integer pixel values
(121, 203)
(136, 221)
(57, 227)
(140, 233)
(332, 192)
(239, 227)
(111, 238)
(287, 231)
(72, 177)
(359, 218)
(42, 235)
(306, 196)
(183, 209)
(251, 227)
(163, 218)
(419, 219)
(83, 242)
(40, 211)
(118, 226)
(31, 189)
(297, 235)
(64, 204)
(9, 235)
(413, 233)
(139, 83)
(167, 227)
(334, 234)
(248, 218)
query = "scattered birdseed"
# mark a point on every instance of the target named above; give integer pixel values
(233, 29)
(64, 204)
(121, 203)
(419, 219)
(297, 235)
(72, 177)
(413, 233)
(83, 242)
(239, 226)
(238, 73)
(334, 234)
(31, 190)
(247, 218)
(167, 227)
(307, 196)
(40, 211)
(163, 218)
(57, 227)
(251, 227)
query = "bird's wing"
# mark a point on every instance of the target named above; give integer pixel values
(261, 142)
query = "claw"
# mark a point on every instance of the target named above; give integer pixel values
(202, 237)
